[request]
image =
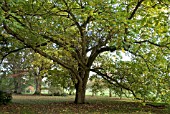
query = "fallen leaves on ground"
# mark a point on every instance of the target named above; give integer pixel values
(65, 105)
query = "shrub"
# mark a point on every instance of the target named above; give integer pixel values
(5, 97)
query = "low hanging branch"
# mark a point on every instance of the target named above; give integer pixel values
(41, 52)
(113, 81)
(19, 49)
(19, 74)
(12, 51)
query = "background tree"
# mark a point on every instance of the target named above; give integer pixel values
(74, 33)
(60, 80)
(40, 67)
(16, 66)
(97, 85)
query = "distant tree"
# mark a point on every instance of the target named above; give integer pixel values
(6, 83)
(59, 77)
(97, 85)
(15, 67)
(40, 67)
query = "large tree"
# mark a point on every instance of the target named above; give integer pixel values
(74, 32)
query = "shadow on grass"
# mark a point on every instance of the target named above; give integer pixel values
(56, 105)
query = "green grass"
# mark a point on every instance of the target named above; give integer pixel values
(27, 104)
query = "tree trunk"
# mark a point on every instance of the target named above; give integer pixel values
(38, 80)
(80, 86)
(19, 90)
(110, 92)
(17, 85)
(80, 93)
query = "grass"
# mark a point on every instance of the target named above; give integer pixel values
(27, 104)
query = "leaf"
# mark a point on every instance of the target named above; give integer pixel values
(123, 50)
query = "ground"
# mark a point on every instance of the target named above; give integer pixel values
(27, 104)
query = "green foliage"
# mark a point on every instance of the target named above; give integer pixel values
(75, 33)
(97, 85)
(6, 83)
(59, 80)
(142, 80)
(15, 68)
(5, 97)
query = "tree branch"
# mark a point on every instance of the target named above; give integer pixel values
(18, 37)
(140, 57)
(107, 48)
(158, 45)
(136, 8)
(132, 15)
(97, 51)
(52, 40)
(16, 50)
(13, 51)
(87, 21)
(111, 80)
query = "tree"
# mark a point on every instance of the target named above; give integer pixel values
(15, 67)
(6, 83)
(97, 85)
(74, 32)
(40, 66)
(59, 77)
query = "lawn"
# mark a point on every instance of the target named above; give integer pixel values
(27, 104)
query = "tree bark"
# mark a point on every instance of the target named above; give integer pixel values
(110, 92)
(38, 80)
(80, 85)
(80, 93)
(19, 90)
(17, 85)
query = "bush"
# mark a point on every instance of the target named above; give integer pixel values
(5, 97)
(59, 94)
(64, 94)
(56, 91)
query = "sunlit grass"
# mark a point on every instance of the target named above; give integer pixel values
(34, 99)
